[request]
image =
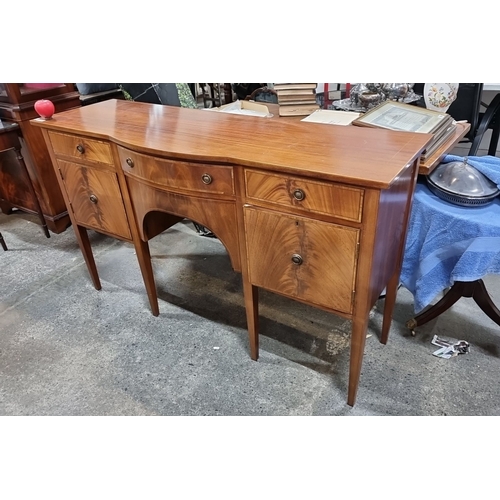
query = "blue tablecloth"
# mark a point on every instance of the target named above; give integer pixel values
(448, 243)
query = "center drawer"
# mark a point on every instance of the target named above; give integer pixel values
(181, 175)
(313, 196)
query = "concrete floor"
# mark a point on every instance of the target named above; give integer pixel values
(67, 349)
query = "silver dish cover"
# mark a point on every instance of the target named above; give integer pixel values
(462, 184)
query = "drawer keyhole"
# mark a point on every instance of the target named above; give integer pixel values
(130, 162)
(297, 259)
(93, 198)
(299, 195)
(206, 179)
(80, 149)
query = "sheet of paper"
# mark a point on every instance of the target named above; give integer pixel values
(243, 108)
(331, 117)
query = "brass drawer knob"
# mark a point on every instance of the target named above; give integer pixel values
(297, 259)
(130, 162)
(93, 198)
(80, 149)
(299, 195)
(206, 179)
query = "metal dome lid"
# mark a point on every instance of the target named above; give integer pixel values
(462, 184)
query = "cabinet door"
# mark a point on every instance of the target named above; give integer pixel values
(95, 198)
(15, 185)
(302, 258)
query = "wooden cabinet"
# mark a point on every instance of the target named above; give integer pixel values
(17, 102)
(316, 213)
(16, 187)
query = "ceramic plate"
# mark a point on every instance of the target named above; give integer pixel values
(440, 95)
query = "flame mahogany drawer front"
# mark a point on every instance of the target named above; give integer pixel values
(95, 198)
(81, 149)
(304, 259)
(317, 197)
(181, 175)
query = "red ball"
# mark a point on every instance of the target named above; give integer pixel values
(45, 108)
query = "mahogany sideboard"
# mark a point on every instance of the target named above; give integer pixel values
(316, 213)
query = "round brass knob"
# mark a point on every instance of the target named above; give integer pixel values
(299, 195)
(130, 162)
(93, 198)
(206, 179)
(297, 259)
(80, 149)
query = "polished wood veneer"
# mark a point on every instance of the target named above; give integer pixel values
(312, 212)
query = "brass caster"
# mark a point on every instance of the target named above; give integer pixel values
(411, 324)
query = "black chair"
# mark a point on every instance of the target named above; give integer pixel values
(467, 106)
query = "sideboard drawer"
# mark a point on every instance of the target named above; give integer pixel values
(80, 148)
(305, 259)
(182, 175)
(95, 198)
(318, 197)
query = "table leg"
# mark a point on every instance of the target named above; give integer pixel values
(2, 242)
(32, 189)
(83, 241)
(144, 258)
(483, 300)
(251, 296)
(472, 289)
(358, 339)
(390, 302)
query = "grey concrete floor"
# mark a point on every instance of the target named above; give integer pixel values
(68, 349)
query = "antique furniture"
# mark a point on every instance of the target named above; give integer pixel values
(17, 105)
(318, 214)
(450, 246)
(16, 188)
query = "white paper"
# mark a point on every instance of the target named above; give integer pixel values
(239, 108)
(331, 117)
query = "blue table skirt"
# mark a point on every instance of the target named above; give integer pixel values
(448, 243)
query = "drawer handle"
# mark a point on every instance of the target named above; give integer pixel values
(206, 179)
(297, 259)
(80, 149)
(130, 162)
(93, 198)
(299, 195)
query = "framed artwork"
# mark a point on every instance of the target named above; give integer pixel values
(394, 115)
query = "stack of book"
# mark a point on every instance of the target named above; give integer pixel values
(397, 116)
(296, 99)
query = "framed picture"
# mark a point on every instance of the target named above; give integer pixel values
(394, 115)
